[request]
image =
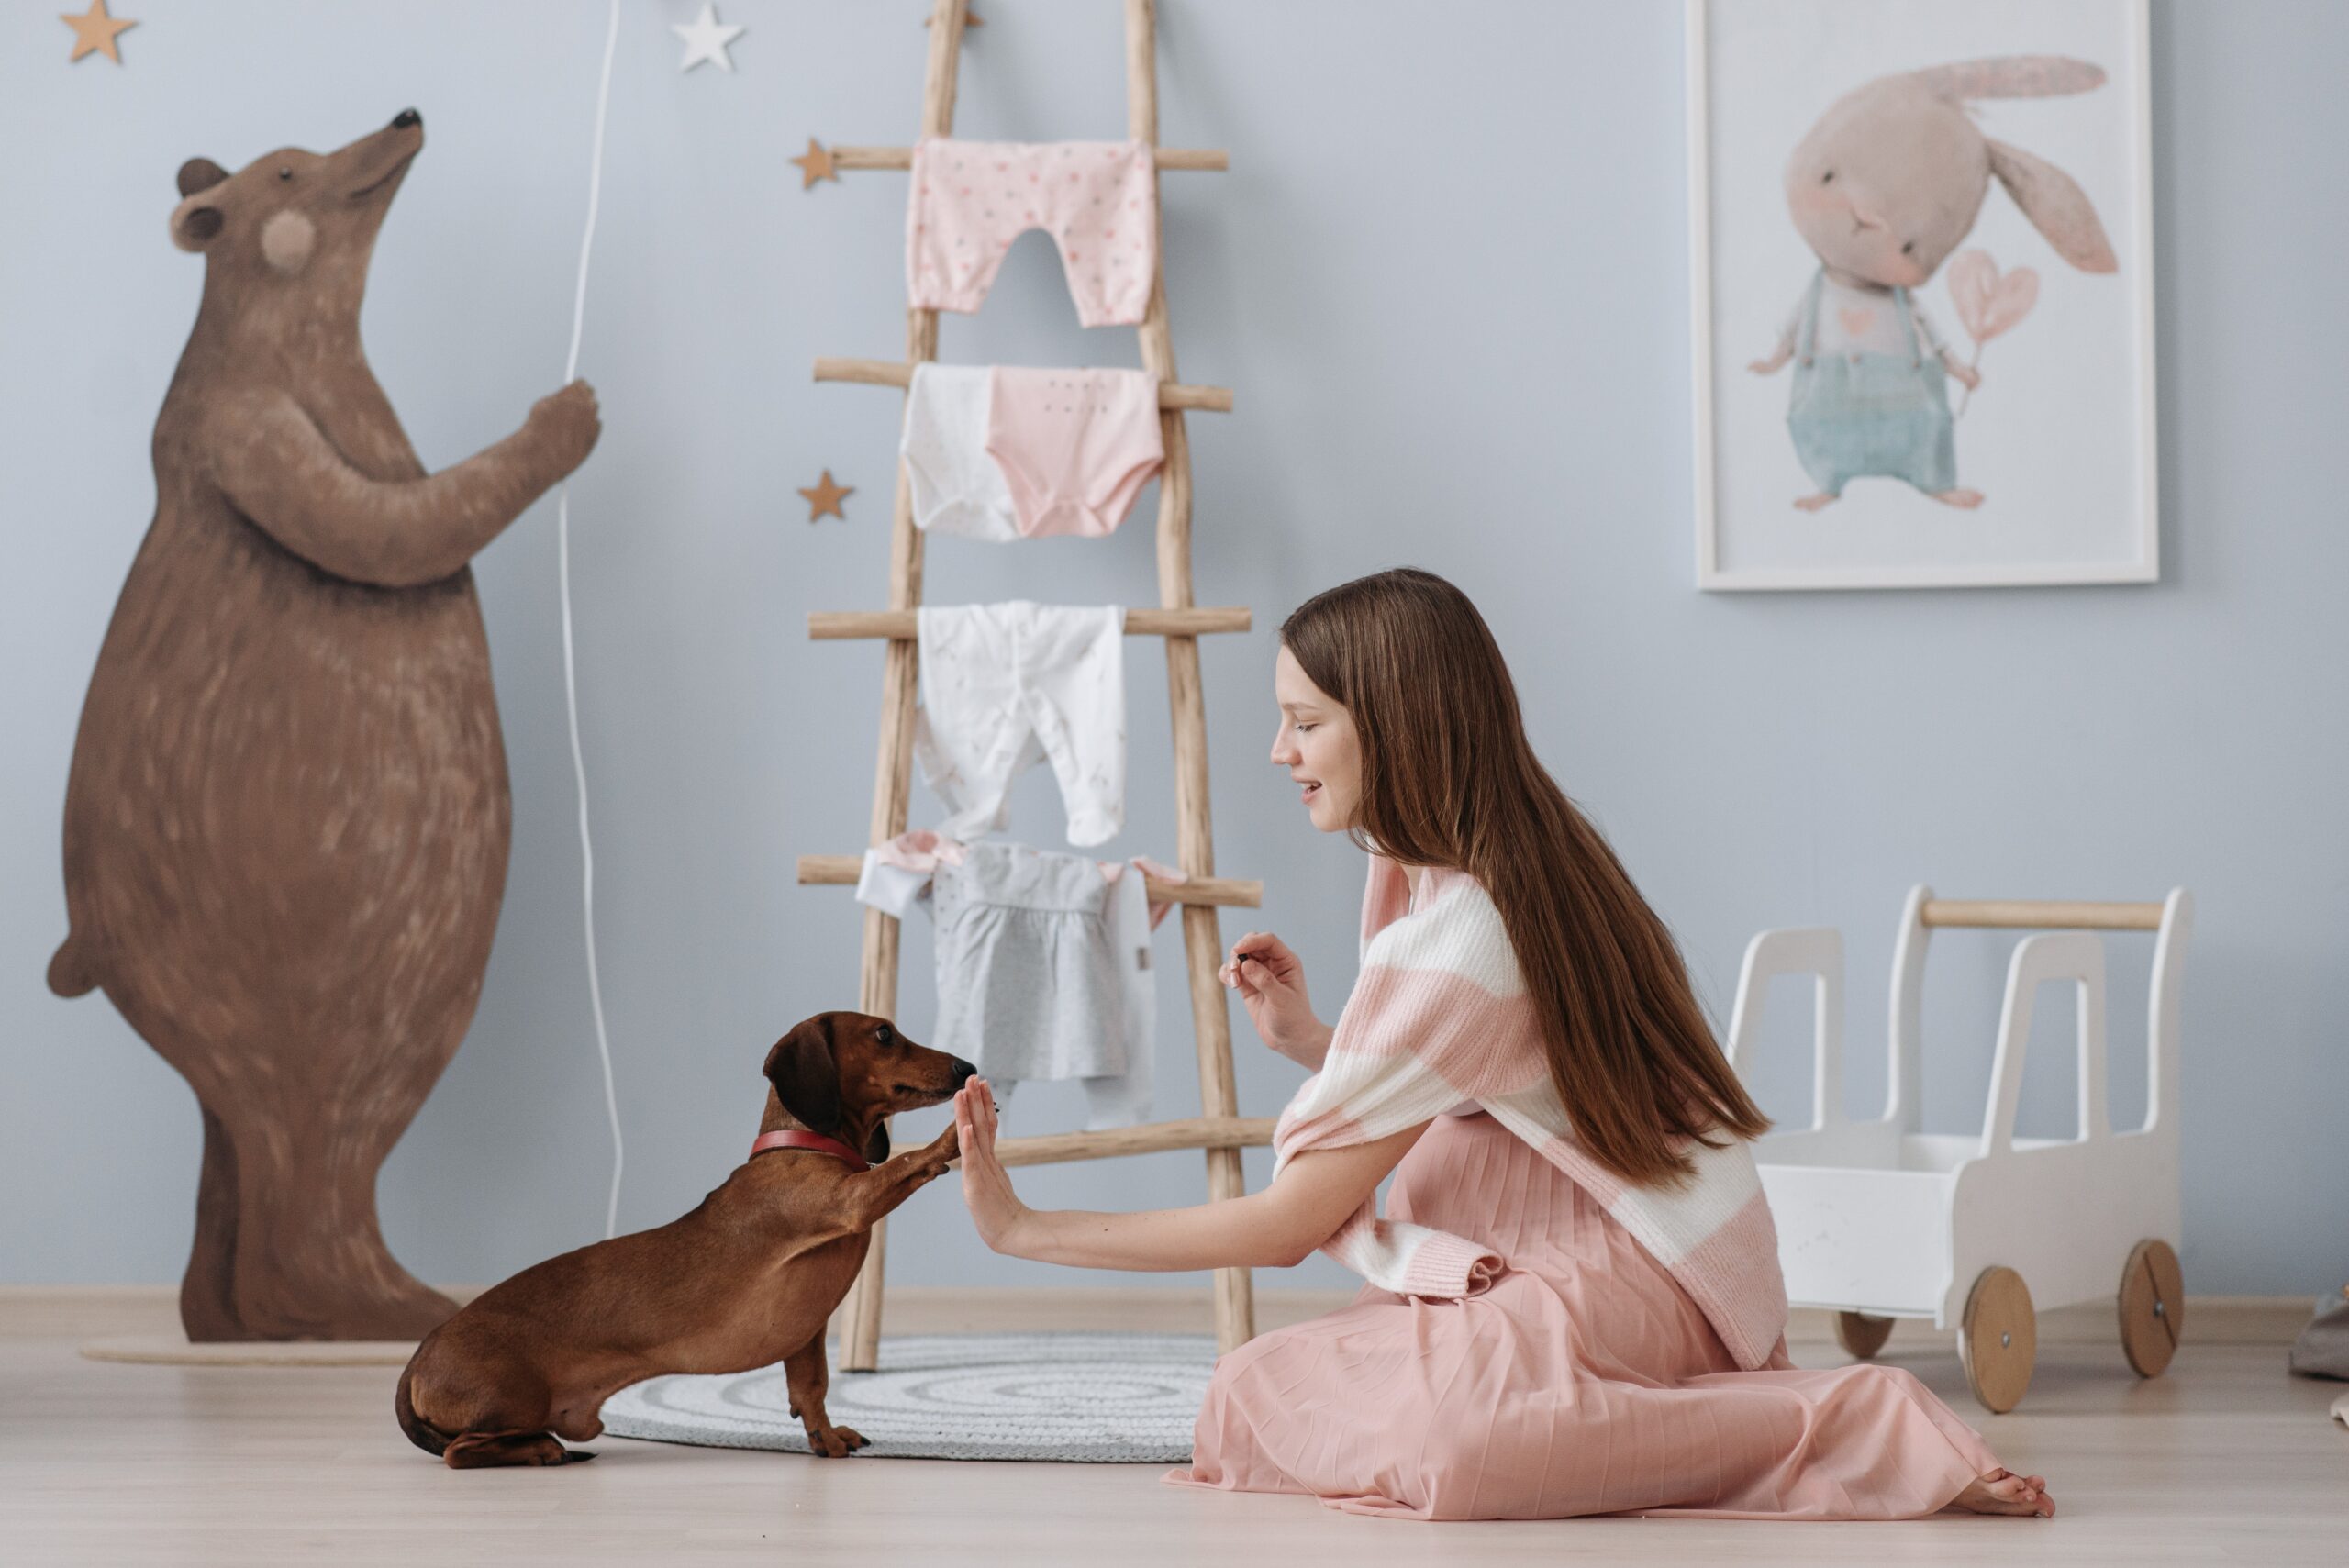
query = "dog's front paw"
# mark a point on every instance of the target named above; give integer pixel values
(834, 1442)
(941, 1150)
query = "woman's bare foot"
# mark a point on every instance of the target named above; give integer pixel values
(1813, 503)
(1968, 499)
(2004, 1492)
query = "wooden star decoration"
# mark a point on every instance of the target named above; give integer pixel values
(814, 164)
(94, 32)
(827, 496)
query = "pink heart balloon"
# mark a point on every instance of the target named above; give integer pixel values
(1987, 303)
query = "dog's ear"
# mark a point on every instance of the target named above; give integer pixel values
(805, 1077)
(876, 1148)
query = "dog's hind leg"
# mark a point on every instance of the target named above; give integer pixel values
(480, 1450)
(805, 1375)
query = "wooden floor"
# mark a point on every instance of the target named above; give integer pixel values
(2227, 1458)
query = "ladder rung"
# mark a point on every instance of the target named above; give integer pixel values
(1229, 892)
(1209, 159)
(891, 372)
(904, 626)
(2015, 914)
(1196, 1132)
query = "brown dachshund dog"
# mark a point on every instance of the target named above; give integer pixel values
(748, 1279)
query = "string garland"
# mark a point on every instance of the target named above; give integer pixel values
(569, 667)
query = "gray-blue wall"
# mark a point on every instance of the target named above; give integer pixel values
(1447, 278)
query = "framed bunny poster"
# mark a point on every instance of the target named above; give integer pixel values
(1921, 274)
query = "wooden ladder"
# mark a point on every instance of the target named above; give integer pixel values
(1220, 1130)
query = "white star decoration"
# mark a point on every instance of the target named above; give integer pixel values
(705, 39)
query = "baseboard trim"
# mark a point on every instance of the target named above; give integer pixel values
(150, 1313)
(173, 1349)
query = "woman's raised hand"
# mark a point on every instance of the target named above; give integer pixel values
(986, 1185)
(1271, 979)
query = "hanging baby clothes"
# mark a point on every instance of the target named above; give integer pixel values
(1005, 453)
(957, 485)
(1076, 445)
(970, 200)
(1042, 961)
(1006, 685)
(897, 874)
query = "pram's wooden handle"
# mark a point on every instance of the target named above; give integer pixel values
(2041, 914)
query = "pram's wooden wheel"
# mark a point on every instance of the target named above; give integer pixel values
(1999, 1339)
(2153, 1308)
(1860, 1335)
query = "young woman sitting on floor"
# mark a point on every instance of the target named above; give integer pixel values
(1574, 1303)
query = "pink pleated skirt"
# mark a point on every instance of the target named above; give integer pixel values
(1583, 1381)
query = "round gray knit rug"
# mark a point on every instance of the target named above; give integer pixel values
(1072, 1398)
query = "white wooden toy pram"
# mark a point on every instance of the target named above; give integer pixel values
(1878, 1219)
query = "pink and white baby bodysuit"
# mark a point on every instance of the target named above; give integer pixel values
(1009, 453)
(970, 200)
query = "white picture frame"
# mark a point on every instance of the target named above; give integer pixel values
(2081, 506)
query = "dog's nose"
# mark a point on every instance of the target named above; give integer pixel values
(406, 118)
(964, 1072)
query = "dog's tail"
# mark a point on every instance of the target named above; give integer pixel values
(420, 1432)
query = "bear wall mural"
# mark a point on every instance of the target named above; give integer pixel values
(287, 819)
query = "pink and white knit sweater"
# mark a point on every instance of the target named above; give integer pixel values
(1439, 1015)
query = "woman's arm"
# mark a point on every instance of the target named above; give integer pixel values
(1313, 1050)
(1281, 1225)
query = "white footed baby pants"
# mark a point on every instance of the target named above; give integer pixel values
(1003, 686)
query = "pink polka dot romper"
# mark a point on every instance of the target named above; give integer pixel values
(970, 200)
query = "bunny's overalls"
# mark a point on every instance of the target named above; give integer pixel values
(1854, 415)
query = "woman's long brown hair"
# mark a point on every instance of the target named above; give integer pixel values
(1448, 779)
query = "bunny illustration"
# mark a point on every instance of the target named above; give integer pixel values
(1883, 188)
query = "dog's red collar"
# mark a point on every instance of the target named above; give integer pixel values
(800, 1138)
